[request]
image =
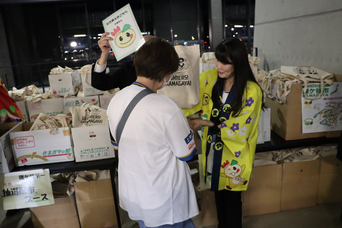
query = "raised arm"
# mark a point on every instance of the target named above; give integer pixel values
(105, 48)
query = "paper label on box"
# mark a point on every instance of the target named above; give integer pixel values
(99, 152)
(323, 114)
(26, 189)
(35, 105)
(24, 142)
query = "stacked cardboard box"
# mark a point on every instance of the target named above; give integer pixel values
(286, 119)
(287, 186)
(40, 147)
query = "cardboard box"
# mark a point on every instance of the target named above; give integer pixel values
(23, 108)
(77, 102)
(61, 214)
(333, 134)
(105, 99)
(264, 191)
(208, 214)
(41, 147)
(66, 83)
(286, 119)
(6, 155)
(92, 143)
(88, 90)
(300, 184)
(95, 204)
(50, 107)
(330, 181)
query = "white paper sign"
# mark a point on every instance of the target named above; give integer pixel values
(324, 114)
(124, 30)
(26, 189)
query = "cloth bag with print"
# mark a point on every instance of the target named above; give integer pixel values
(184, 85)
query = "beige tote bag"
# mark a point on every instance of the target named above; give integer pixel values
(308, 74)
(184, 85)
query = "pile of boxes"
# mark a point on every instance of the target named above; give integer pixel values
(23, 147)
(66, 86)
(286, 119)
(280, 187)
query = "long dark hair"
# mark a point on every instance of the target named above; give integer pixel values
(234, 50)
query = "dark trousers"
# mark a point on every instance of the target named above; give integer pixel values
(229, 209)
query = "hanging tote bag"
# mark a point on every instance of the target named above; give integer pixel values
(207, 61)
(308, 74)
(184, 86)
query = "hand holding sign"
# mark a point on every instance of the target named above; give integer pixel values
(104, 43)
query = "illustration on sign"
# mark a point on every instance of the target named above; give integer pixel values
(323, 114)
(124, 30)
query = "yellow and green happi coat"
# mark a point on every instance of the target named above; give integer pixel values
(235, 143)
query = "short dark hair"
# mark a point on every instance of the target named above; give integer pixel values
(155, 59)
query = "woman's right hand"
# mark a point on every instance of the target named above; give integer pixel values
(104, 43)
(197, 124)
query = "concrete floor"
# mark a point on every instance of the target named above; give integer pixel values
(321, 216)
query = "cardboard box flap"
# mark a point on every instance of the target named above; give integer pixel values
(5, 127)
(338, 77)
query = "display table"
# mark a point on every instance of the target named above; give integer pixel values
(65, 167)
(278, 143)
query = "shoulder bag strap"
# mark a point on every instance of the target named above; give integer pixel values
(128, 111)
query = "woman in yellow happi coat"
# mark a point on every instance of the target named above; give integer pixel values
(232, 100)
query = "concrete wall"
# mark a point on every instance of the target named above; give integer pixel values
(299, 33)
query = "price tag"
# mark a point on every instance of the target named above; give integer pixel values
(26, 189)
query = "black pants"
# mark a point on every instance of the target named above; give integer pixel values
(229, 209)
